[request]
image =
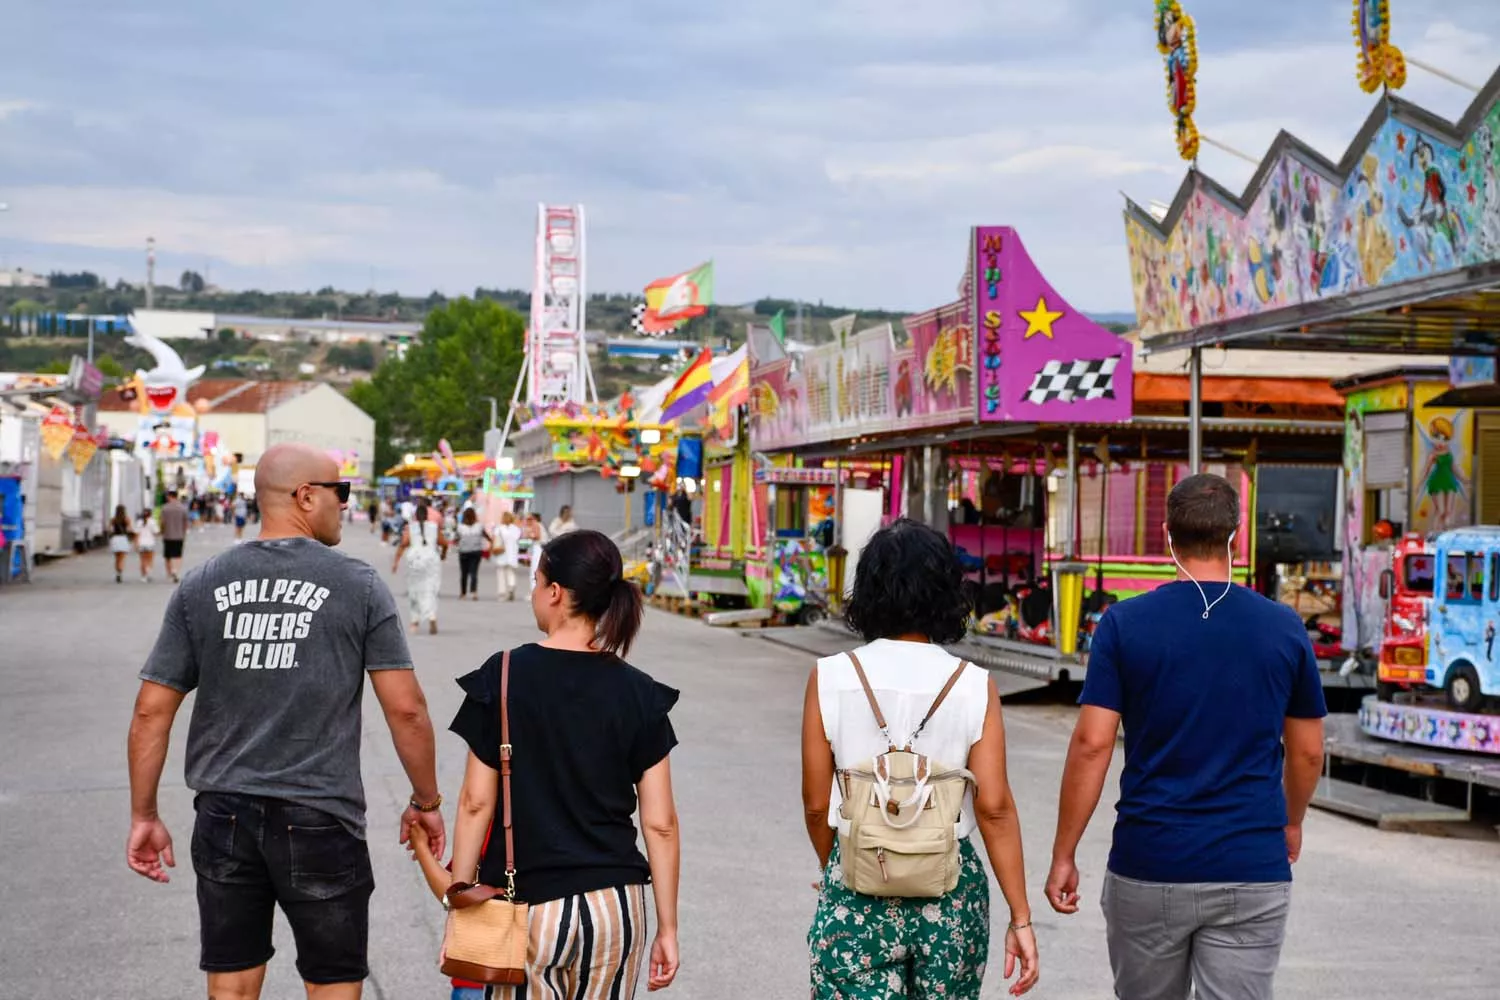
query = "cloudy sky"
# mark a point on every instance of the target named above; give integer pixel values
(833, 150)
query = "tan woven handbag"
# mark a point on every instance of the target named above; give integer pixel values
(487, 934)
(901, 813)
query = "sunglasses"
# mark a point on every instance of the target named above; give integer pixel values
(342, 488)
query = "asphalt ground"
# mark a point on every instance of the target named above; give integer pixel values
(1375, 914)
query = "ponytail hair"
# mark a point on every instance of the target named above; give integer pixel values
(588, 566)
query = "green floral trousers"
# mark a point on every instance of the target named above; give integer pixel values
(870, 948)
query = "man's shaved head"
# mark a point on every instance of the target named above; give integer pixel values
(284, 467)
(287, 510)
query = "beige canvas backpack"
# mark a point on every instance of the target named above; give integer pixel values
(900, 813)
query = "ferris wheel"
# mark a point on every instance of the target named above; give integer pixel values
(556, 370)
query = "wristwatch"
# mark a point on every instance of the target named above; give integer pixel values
(428, 807)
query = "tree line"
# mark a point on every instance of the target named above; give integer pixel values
(468, 349)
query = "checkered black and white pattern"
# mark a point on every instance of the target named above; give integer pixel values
(1071, 381)
(638, 320)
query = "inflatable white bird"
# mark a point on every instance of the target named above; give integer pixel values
(168, 382)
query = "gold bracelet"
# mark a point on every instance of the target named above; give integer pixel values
(1020, 927)
(434, 806)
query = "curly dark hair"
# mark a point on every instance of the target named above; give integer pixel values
(908, 582)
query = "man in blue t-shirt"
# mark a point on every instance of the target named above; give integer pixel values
(1219, 693)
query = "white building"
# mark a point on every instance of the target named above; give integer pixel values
(250, 416)
(21, 279)
(171, 324)
(174, 324)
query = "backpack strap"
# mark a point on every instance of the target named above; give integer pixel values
(938, 701)
(864, 682)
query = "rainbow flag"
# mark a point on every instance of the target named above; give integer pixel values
(691, 388)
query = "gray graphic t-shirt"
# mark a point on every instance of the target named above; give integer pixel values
(275, 637)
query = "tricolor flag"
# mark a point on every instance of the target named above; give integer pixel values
(730, 393)
(690, 390)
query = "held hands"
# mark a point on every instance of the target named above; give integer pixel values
(417, 843)
(148, 848)
(429, 822)
(1062, 886)
(1020, 946)
(663, 961)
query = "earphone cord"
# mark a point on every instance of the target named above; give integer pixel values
(1207, 607)
(1228, 584)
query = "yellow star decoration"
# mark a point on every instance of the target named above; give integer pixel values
(1040, 320)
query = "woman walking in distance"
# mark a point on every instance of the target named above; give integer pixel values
(507, 556)
(907, 600)
(421, 540)
(145, 542)
(120, 533)
(590, 735)
(473, 539)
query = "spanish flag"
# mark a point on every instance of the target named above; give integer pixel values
(691, 389)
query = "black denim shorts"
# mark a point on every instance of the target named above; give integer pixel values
(252, 854)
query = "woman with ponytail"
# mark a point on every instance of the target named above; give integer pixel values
(590, 736)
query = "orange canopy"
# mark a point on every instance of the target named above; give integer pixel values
(1153, 388)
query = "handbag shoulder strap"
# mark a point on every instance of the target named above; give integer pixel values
(864, 682)
(505, 754)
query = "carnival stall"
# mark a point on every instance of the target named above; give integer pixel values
(590, 458)
(57, 477)
(1392, 249)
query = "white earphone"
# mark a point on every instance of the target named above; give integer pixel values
(1228, 584)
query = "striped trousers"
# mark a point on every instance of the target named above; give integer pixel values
(588, 947)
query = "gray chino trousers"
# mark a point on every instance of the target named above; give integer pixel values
(1166, 938)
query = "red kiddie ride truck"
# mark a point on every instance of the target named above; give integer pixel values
(1407, 589)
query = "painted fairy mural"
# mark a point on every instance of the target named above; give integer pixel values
(1442, 464)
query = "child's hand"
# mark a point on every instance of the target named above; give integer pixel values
(418, 843)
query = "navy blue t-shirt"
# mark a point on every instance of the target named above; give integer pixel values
(1204, 704)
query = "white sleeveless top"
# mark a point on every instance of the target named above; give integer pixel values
(906, 677)
(424, 534)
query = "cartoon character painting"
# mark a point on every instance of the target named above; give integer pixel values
(1377, 250)
(1433, 217)
(1489, 183)
(905, 389)
(1442, 481)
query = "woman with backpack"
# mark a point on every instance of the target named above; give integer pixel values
(587, 736)
(903, 758)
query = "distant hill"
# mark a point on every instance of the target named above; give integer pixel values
(1126, 319)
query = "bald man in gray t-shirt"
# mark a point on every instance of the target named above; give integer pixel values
(276, 636)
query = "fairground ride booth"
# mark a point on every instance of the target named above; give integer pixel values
(1050, 471)
(1392, 250)
(594, 459)
(831, 430)
(457, 477)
